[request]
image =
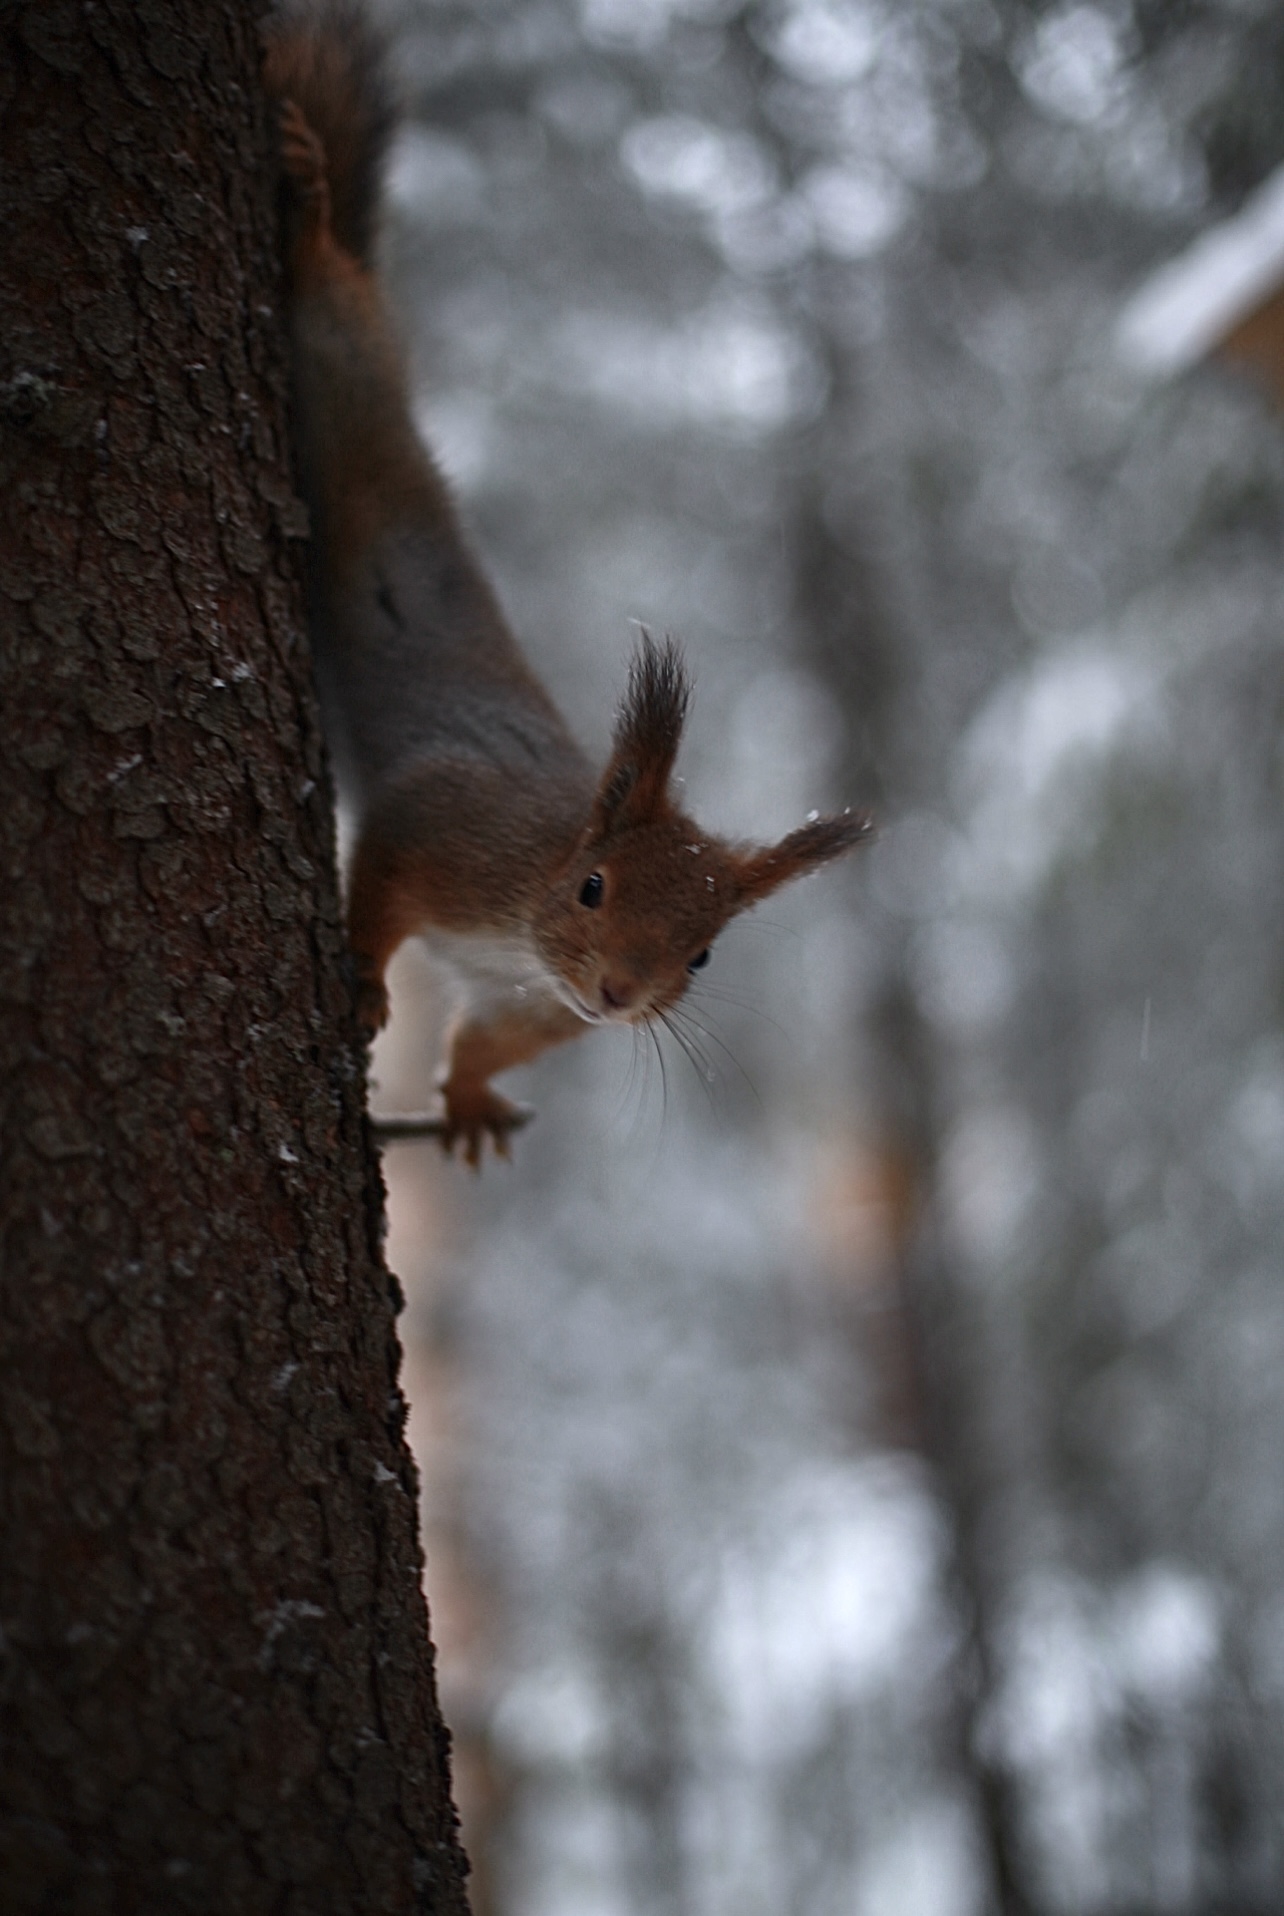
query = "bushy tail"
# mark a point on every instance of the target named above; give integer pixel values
(330, 61)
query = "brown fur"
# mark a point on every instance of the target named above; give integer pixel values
(479, 821)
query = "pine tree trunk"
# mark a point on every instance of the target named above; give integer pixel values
(216, 1685)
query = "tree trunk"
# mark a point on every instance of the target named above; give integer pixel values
(216, 1685)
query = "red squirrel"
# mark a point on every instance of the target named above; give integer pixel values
(558, 898)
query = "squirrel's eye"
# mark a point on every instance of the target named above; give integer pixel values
(591, 891)
(700, 960)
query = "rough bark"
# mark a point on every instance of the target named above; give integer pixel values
(216, 1686)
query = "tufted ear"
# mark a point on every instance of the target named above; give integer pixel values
(758, 873)
(648, 732)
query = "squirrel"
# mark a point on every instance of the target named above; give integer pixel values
(558, 897)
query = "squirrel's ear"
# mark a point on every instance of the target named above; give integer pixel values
(760, 872)
(647, 734)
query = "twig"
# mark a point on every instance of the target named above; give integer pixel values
(411, 1125)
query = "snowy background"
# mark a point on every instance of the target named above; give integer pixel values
(852, 1459)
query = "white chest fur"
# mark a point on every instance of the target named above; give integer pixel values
(489, 973)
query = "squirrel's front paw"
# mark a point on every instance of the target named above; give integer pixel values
(301, 150)
(472, 1113)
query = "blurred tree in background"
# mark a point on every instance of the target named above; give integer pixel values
(867, 1474)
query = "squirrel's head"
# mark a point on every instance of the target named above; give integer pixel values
(632, 917)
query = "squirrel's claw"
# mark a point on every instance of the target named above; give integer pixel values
(404, 1127)
(475, 1114)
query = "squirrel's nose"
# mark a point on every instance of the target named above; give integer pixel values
(618, 994)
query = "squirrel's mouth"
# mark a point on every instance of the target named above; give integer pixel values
(572, 998)
(608, 1002)
(604, 1015)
